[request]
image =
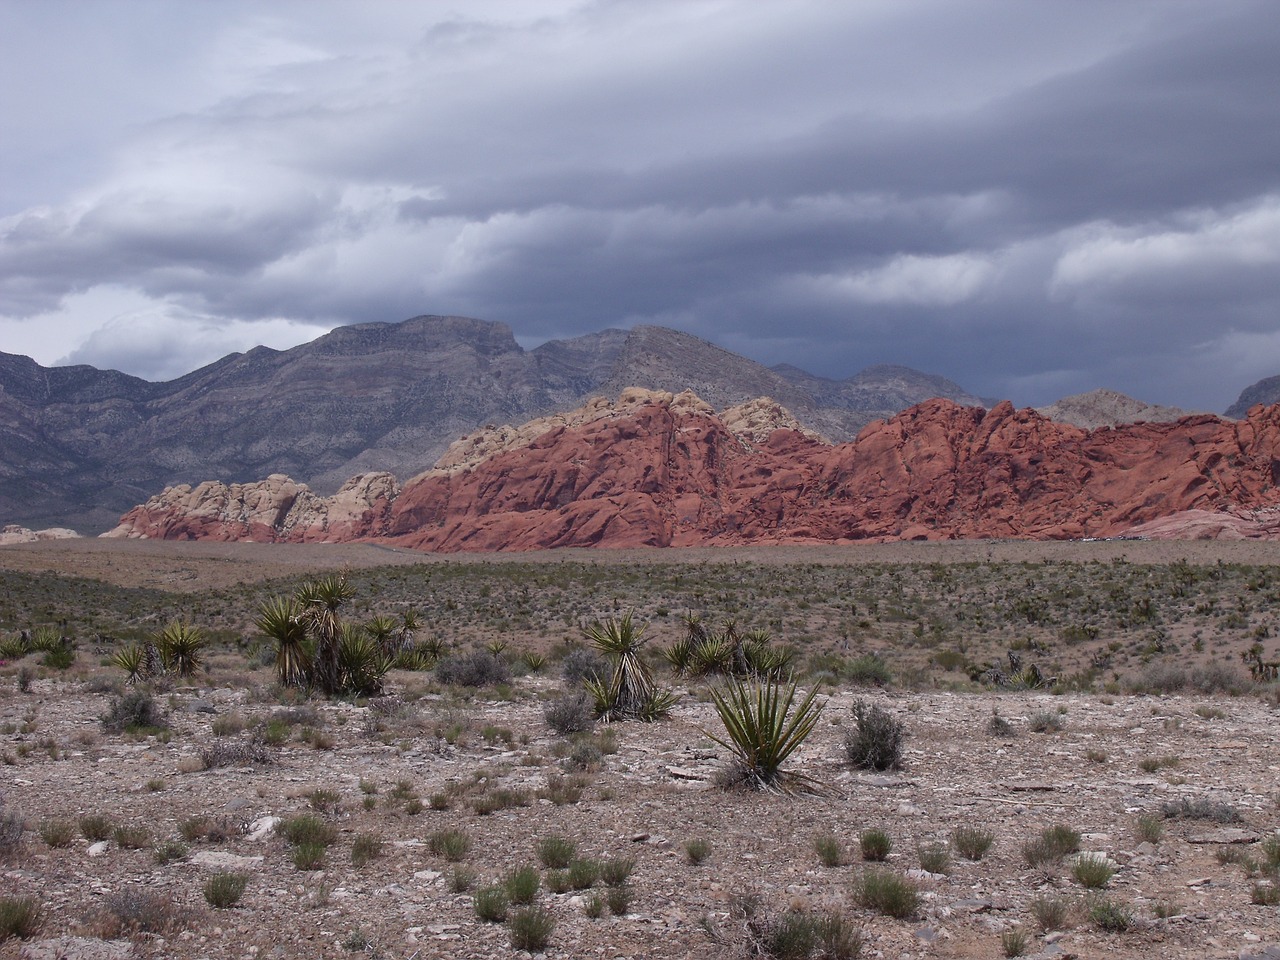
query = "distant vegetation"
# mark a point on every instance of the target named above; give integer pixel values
(1074, 625)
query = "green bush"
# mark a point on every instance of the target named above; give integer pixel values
(452, 844)
(224, 890)
(888, 893)
(972, 843)
(571, 713)
(19, 917)
(522, 885)
(490, 904)
(697, 851)
(875, 844)
(830, 852)
(531, 929)
(307, 829)
(480, 668)
(1092, 870)
(556, 852)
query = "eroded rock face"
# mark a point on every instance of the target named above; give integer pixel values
(277, 509)
(13, 533)
(653, 469)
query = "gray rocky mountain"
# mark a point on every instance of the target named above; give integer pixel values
(79, 446)
(1265, 391)
(1107, 408)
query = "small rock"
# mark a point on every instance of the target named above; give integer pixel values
(76, 948)
(1224, 835)
(263, 827)
(221, 860)
(98, 849)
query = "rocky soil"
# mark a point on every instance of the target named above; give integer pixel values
(1098, 764)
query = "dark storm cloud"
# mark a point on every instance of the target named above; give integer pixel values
(1032, 199)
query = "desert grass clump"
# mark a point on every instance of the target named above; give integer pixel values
(1051, 846)
(131, 837)
(19, 917)
(619, 897)
(365, 848)
(491, 904)
(888, 893)
(132, 911)
(1109, 916)
(583, 874)
(1200, 808)
(57, 833)
(308, 856)
(1045, 722)
(169, 851)
(531, 929)
(461, 879)
(556, 852)
(479, 668)
(615, 871)
(562, 790)
(522, 885)
(829, 850)
(763, 726)
(972, 843)
(1149, 828)
(934, 858)
(1093, 871)
(451, 844)
(1051, 913)
(798, 935)
(307, 829)
(95, 827)
(875, 845)
(877, 740)
(224, 890)
(1264, 895)
(697, 851)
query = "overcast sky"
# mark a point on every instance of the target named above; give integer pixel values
(1032, 198)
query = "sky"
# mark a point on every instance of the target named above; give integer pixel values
(1034, 199)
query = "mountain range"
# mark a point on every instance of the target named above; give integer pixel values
(653, 469)
(81, 445)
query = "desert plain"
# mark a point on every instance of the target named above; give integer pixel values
(1150, 741)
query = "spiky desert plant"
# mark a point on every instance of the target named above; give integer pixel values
(132, 660)
(180, 644)
(281, 620)
(762, 730)
(322, 602)
(630, 693)
(384, 632)
(362, 663)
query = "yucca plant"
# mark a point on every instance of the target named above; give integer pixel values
(762, 730)
(179, 645)
(321, 601)
(361, 662)
(132, 660)
(385, 633)
(630, 693)
(282, 621)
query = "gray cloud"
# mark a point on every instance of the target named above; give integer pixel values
(1032, 199)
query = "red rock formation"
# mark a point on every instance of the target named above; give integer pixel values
(657, 470)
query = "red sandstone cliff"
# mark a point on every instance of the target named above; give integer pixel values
(658, 470)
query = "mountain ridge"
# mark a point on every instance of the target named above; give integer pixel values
(655, 469)
(80, 446)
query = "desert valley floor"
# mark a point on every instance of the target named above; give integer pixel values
(431, 793)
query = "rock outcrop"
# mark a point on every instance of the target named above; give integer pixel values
(13, 533)
(79, 445)
(1108, 408)
(656, 469)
